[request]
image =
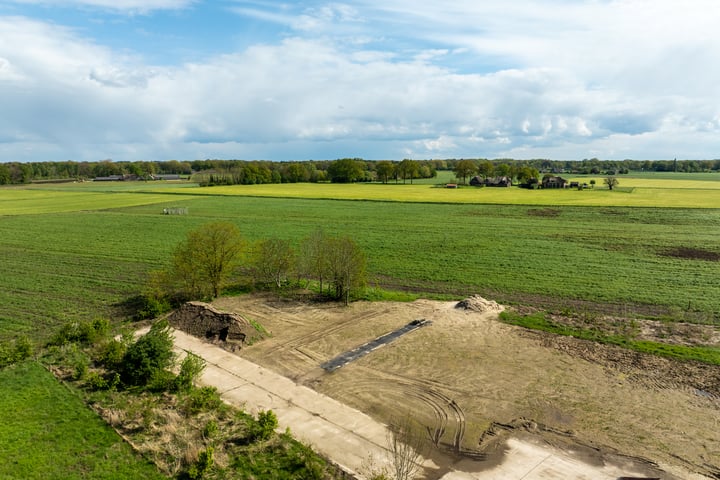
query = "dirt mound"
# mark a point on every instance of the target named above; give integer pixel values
(479, 304)
(205, 321)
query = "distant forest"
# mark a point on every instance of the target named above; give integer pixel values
(228, 172)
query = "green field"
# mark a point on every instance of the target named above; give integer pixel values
(86, 263)
(81, 251)
(47, 432)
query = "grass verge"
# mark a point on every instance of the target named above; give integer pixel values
(540, 321)
(46, 431)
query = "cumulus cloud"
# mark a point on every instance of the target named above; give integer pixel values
(139, 6)
(391, 79)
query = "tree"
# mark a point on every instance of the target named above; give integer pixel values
(204, 261)
(313, 262)
(384, 170)
(408, 169)
(406, 444)
(346, 170)
(485, 168)
(347, 264)
(465, 168)
(611, 182)
(273, 260)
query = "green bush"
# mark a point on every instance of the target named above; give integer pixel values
(203, 465)
(85, 333)
(152, 307)
(201, 400)
(111, 353)
(267, 422)
(191, 367)
(146, 358)
(14, 352)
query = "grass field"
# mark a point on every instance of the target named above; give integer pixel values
(47, 432)
(80, 251)
(63, 265)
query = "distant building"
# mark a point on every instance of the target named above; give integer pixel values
(491, 181)
(552, 181)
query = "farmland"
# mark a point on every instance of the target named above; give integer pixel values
(82, 251)
(87, 262)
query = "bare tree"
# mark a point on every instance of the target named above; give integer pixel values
(407, 444)
(272, 261)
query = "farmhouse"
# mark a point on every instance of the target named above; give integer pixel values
(478, 181)
(552, 181)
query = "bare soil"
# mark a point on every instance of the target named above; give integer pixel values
(469, 378)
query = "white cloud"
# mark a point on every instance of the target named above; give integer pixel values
(612, 79)
(134, 6)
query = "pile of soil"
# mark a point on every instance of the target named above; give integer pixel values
(477, 303)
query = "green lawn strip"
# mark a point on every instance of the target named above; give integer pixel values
(46, 431)
(539, 321)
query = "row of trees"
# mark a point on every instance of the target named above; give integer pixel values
(215, 255)
(214, 172)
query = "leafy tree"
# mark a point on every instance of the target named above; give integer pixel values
(465, 168)
(525, 174)
(486, 168)
(190, 369)
(346, 170)
(204, 261)
(385, 170)
(273, 260)
(408, 169)
(611, 182)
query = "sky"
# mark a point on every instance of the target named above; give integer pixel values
(128, 80)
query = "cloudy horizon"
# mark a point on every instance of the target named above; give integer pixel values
(131, 80)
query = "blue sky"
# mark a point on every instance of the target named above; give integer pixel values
(87, 80)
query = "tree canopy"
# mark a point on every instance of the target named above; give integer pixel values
(203, 262)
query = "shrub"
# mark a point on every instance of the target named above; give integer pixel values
(267, 422)
(191, 367)
(15, 352)
(151, 306)
(85, 333)
(203, 465)
(148, 356)
(201, 399)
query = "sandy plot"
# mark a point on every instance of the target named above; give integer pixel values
(475, 383)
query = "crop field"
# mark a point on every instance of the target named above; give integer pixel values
(630, 193)
(86, 263)
(83, 251)
(47, 432)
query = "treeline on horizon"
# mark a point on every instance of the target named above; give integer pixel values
(247, 172)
